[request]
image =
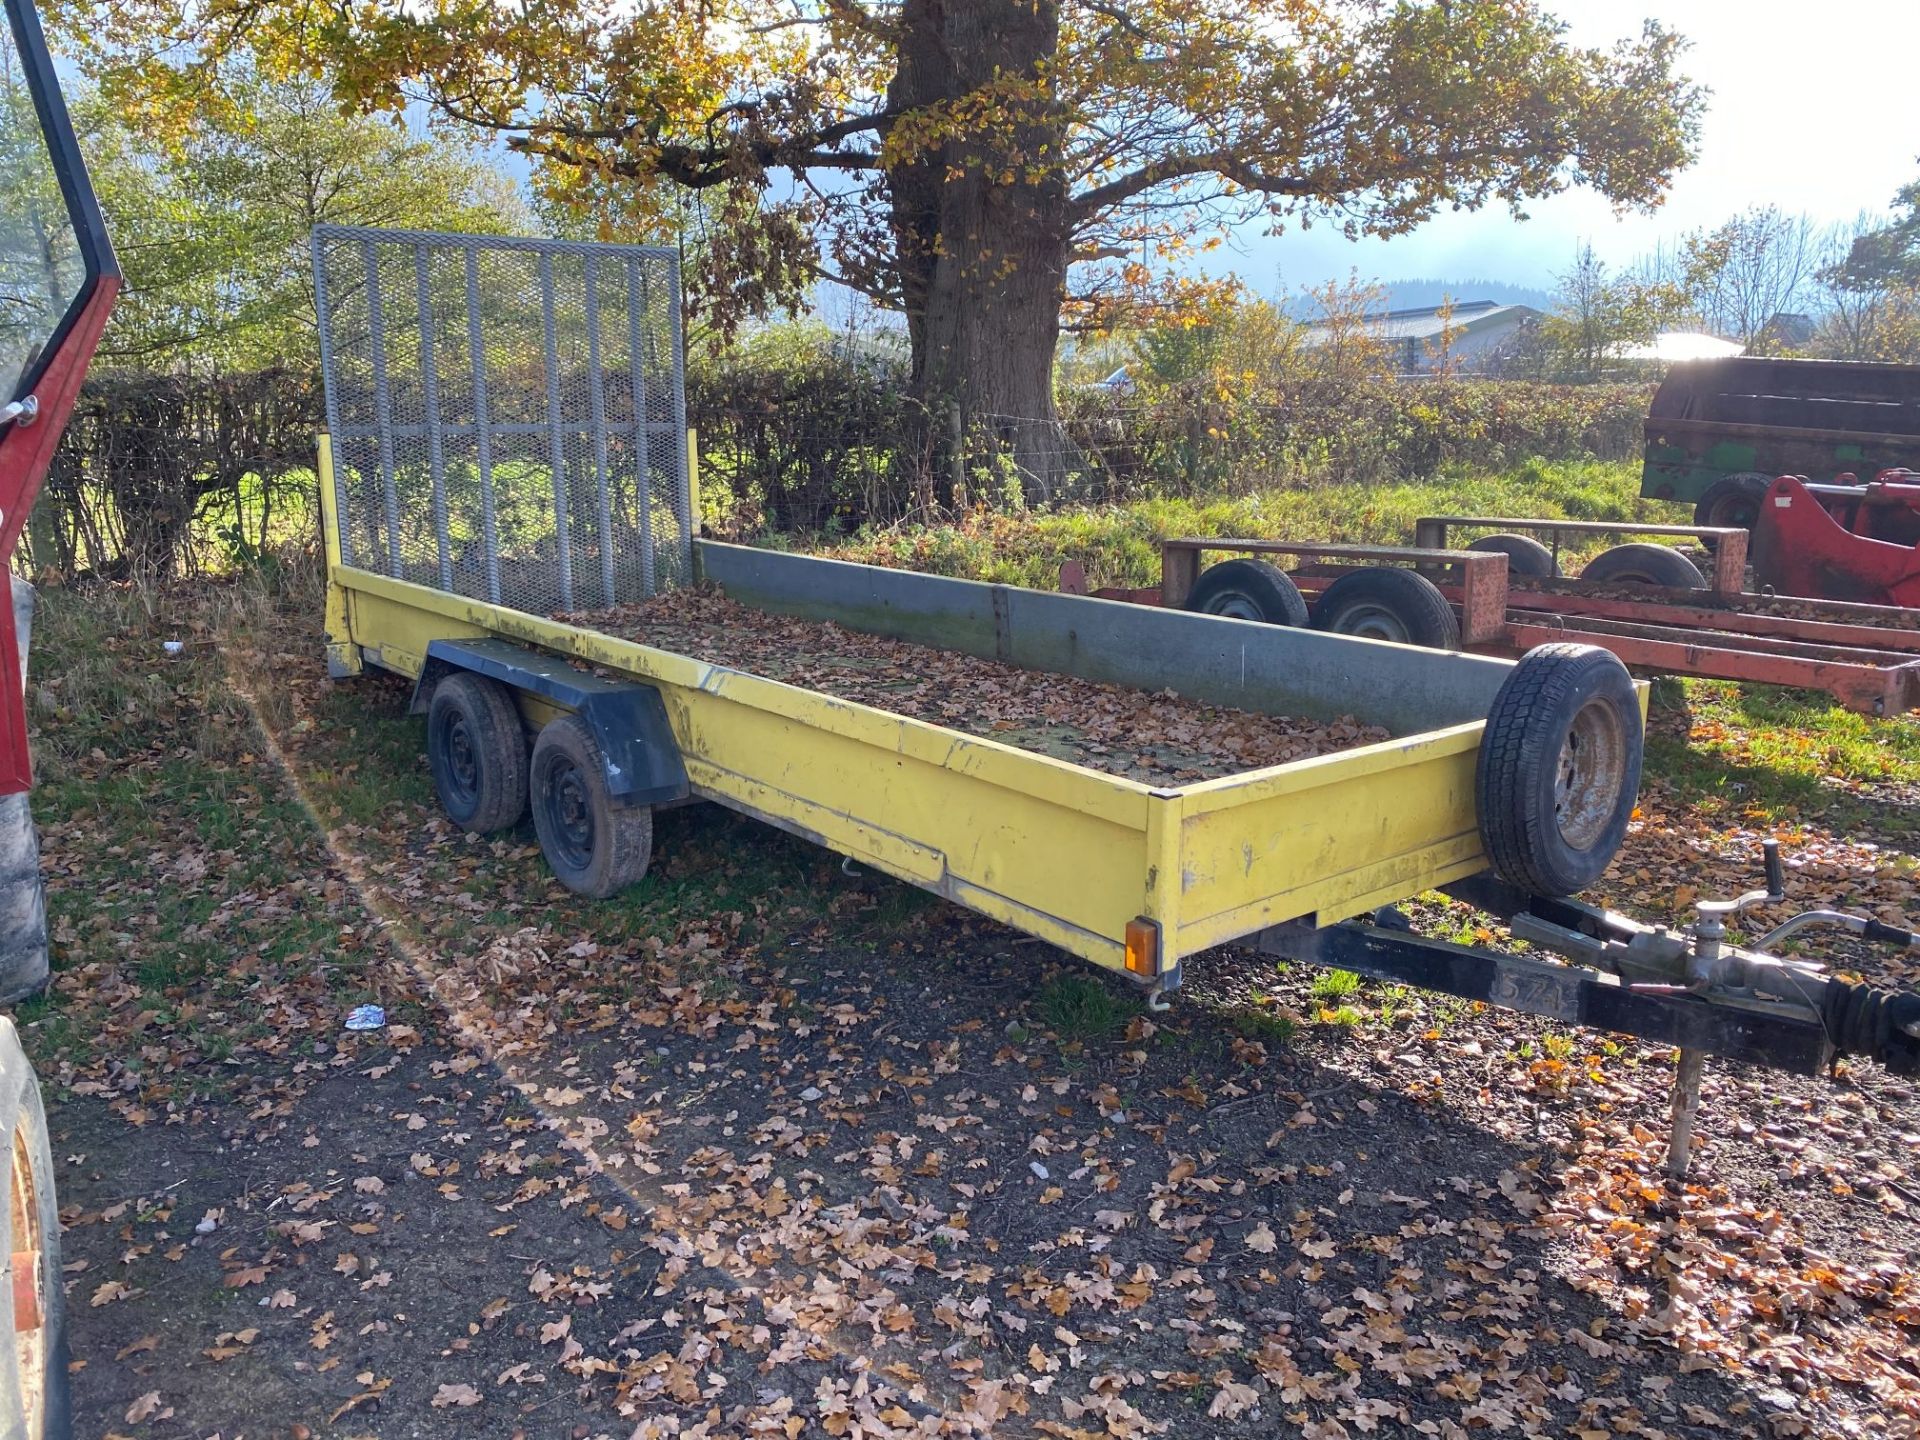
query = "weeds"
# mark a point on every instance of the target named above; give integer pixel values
(1119, 544)
(1330, 986)
(1082, 1007)
(1259, 1022)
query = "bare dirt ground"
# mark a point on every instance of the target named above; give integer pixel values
(765, 1150)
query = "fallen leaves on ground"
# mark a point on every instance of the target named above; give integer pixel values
(698, 1163)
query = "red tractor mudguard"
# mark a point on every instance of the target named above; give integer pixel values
(1801, 549)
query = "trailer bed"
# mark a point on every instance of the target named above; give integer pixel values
(1056, 849)
(1158, 737)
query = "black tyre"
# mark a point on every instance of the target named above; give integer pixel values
(1525, 555)
(1388, 604)
(37, 1402)
(1645, 565)
(596, 847)
(477, 751)
(1732, 500)
(1559, 768)
(1249, 590)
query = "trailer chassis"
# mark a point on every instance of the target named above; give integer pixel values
(1866, 656)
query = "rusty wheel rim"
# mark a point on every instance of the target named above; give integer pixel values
(1372, 621)
(1589, 773)
(28, 1277)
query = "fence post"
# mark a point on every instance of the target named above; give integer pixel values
(957, 454)
(693, 478)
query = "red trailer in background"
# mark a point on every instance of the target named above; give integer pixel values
(1502, 594)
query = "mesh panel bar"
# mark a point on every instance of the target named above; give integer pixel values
(471, 461)
(642, 463)
(482, 441)
(382, 405)
(597, 408)
(556, 439)
(436, 452)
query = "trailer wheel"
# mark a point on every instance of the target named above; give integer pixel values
(1388, 604)
(36, 1401)
(1559, 768)
(477, 753)
(596, 847)
(1645, 565)
(1525, 555)
(1732, 500)
(1248, 590)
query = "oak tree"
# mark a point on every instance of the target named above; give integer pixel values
(983, 166)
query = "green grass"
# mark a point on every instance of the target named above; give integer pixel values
(181, 905)
(1078, 1006)
(1118, 543)
(1785, 758)
(1258, 1022)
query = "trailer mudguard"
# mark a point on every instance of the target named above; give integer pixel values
(628, 719)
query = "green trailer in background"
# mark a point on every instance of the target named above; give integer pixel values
(1720, 431)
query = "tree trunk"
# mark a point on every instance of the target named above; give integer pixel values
(981, 225)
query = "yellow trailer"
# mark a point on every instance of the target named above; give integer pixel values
(1124, 874)
(507, 443)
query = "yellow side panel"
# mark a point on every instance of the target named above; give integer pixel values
(1331, 837)
(343, 656)
(1054, 850)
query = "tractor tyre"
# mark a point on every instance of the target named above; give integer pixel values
(1732, 501)
(35, 1401)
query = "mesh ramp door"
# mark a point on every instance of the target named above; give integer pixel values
(508, 416)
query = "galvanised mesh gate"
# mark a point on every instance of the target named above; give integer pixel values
(508, 416)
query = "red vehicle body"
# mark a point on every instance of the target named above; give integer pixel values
(58, 279)
(60, 306)
(1841, 542)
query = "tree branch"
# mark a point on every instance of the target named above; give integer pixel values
(1178, 166)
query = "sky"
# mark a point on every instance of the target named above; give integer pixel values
(1815, 108)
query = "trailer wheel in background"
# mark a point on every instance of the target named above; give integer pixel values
(1525, 555)
(477, 753)
(1248, 590)
(1388, 604)
(36, 1401)
(1732, 500)
(596, 847)
(1559, 768)
(1641, 564)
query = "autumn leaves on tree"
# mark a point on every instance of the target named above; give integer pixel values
(990, 168)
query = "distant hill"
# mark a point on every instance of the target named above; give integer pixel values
(1412, 294)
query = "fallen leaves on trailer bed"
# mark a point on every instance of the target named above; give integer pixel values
(1159, 738)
